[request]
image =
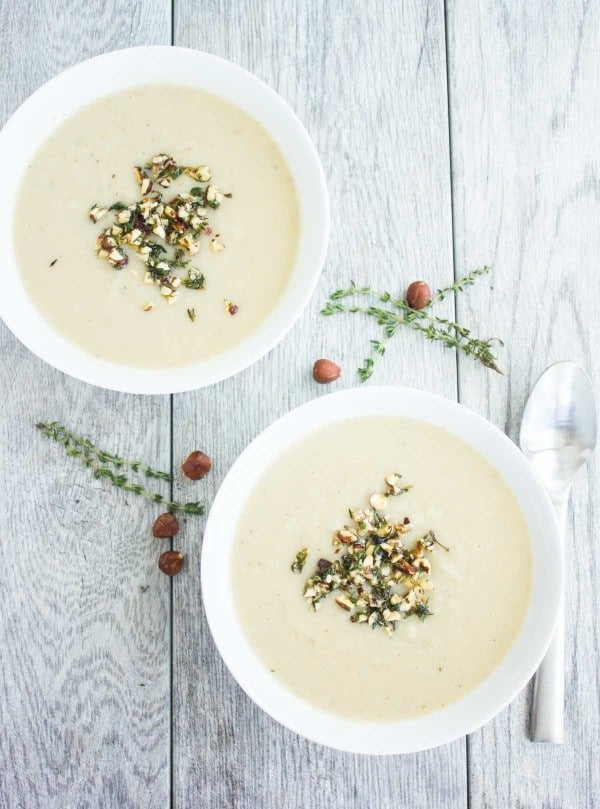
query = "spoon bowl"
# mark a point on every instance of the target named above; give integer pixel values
(559, 427)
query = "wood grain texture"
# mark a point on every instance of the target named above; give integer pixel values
(525, 112)
(85, 674)
(369, 83)
(84, 611)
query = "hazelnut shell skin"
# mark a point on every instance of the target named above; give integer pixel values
(418, 295)
(326, 371)
(196, 465)
(165, 525)
(171, 562)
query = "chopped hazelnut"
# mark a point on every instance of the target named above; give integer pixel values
(378, 501)
(96, 213)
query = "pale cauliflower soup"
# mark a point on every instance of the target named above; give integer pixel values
(381, 568)
(157, 226)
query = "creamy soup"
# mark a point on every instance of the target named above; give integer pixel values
(481, 584)
(89, 159)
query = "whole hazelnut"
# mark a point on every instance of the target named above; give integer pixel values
(196, 465)
(165, 525)
(326, 371)
(418, 295)
(171, 562)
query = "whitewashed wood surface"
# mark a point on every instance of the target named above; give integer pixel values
(450, 137)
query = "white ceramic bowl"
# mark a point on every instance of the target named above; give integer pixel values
(42, 112)
(476, 707)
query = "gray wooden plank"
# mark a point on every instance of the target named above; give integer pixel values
(524, 89)
(369, 82)
(84, 611)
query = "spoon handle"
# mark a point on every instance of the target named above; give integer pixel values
(547, 716)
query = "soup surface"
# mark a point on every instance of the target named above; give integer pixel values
(481, 584)
(89, 159)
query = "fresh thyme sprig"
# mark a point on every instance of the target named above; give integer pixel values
(62, 436)
(399, 313)
(99, 462)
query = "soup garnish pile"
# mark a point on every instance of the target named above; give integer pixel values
(151, 225)
(378, 579)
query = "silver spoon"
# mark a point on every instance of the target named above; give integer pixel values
(558, 435)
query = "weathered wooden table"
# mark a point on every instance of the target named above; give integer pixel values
(451, 136)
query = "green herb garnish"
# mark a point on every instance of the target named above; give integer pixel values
(194, 281)
(422, 610)
(100, 463)
(297, 565)
(398, 313)
(179, 259)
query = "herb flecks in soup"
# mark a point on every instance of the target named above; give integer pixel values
(379, 578)
(481, 584)
(151, 225)
(204, 147)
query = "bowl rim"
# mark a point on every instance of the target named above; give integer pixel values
(477, 706)
(238, 86)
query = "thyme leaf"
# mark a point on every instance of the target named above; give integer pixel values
(398, 313)
(194, 281)
(297, 565)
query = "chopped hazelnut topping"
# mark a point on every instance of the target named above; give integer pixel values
(153, 225)
(377, 578)
(378, 502)
(346, 536)
(117, 258)
(216, 246)
(200, 173)
(189, 245)
(394, 485)
(213, 194)
(96, 213)
(344, 603)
